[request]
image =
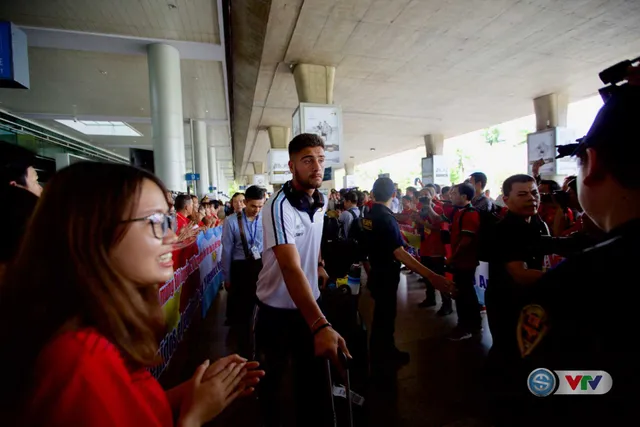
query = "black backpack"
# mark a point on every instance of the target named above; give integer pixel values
(355, 229)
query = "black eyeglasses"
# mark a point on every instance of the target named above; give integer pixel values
(160, 223)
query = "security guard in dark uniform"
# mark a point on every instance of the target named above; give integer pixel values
(383, 253)
(579, 353)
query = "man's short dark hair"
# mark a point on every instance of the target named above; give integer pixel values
(351, 196)
(255, 193)
(445, 190)
(383, 189)
(216, 204)
(182, 201)
(14, 162)
(480, 177)
(466, 190)
(305, 140)
(407, 198)
(515, 179)
(193, 196)
(412, 189)
(553, 186)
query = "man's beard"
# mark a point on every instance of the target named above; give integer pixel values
(307, 184)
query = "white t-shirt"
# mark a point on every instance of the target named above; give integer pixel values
(283, 224)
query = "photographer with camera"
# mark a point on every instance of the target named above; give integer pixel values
(556, 329)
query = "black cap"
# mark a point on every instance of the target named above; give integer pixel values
(615, 129)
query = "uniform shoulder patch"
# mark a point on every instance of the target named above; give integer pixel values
(367, 224)
(532, 327)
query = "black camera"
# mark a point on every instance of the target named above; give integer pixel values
(614, 75)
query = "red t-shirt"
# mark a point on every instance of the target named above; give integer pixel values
(407, 221)
(181, 221)
(81, 380)
(470, 224)
(431, 245)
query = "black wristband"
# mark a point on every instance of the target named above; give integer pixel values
(326, 325)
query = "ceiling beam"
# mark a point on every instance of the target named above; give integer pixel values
(55, 38)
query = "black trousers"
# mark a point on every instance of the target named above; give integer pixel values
(384, 290)
(241, 301)
(435, 264)
(467, 304)
(283, 339)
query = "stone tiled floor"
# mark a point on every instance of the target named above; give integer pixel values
(442, 386)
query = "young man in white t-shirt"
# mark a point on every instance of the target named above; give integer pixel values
(290, 324)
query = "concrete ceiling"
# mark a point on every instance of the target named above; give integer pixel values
(406, 68)
(90, 63)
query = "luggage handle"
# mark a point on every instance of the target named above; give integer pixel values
(345, 364)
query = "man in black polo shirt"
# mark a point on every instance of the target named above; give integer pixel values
(384, 252)
(517, 260)
(560, 327)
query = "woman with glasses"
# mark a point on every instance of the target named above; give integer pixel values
(80, 311)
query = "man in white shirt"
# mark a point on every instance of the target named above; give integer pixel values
(290, 324)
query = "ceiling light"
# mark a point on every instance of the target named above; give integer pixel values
(141, 109)
(206, 111)
(104, 73)
(372, 149)
(351, 157)
(104, 128)
(172, 6)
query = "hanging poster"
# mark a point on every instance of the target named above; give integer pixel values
(324, 120)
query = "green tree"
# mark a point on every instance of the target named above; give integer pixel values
(457, 172)
(492, 135)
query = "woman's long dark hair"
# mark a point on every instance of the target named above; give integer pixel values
(63, 273)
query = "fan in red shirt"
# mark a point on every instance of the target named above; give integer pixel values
(184, 208)
(464, 260)
(89, 315)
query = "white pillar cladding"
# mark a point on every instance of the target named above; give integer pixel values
(213, 169)
(200, 156)
(165, 89)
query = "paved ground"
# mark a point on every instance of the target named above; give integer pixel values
(442, 386)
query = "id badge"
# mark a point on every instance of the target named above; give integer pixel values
(255, 252)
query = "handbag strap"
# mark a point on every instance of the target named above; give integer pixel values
(243, 237)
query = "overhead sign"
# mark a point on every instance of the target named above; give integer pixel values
(260, 180)
(14, 57)
(278, 166)
(324, 120)
(435, 170)
(542, 145)
(327, 174)
(192, 177)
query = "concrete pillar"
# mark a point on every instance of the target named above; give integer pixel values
(551, 110)
(200, 154)
(279, 136)
(314, 83)
(165, 87)
(434, 144)
(213, 168)
(258, 168)
(350, 168)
